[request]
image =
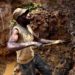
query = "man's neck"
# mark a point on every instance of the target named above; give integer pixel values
(24, 26)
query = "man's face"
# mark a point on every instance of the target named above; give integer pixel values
(29, 16)
(22, 20)
(24, 15)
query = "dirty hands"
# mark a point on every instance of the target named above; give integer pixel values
(48, 42)
(51, 42)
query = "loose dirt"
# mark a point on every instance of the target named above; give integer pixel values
(9, 68)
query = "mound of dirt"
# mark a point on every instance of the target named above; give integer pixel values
(54, 25)
(50, 25)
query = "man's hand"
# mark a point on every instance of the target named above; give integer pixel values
(53, 42)
(57, 41)
(38, 44)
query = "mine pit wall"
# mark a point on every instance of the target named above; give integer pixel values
(5, 18)
(5, 15)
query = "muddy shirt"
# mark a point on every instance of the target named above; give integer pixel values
(24, 55)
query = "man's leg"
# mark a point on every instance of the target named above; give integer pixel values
(28, 69)
(24, 69)
(41, 65)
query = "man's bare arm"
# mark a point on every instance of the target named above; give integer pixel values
(44, 41)
(17, 46)
(14, 46)
(51, 41)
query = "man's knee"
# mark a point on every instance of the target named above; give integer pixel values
(47, 70)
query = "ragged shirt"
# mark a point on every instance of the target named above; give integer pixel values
(24, 55)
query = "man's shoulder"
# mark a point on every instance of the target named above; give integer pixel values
(17, 26)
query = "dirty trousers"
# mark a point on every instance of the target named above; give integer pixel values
(36, 63)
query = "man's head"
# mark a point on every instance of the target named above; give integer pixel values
(20, 14)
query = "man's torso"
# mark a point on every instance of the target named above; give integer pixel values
(24, 55)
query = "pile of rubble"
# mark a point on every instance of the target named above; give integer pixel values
(54, 25)
(50, 25)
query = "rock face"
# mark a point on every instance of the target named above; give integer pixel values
(5, 17)
(53, 25)
(50, 25)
